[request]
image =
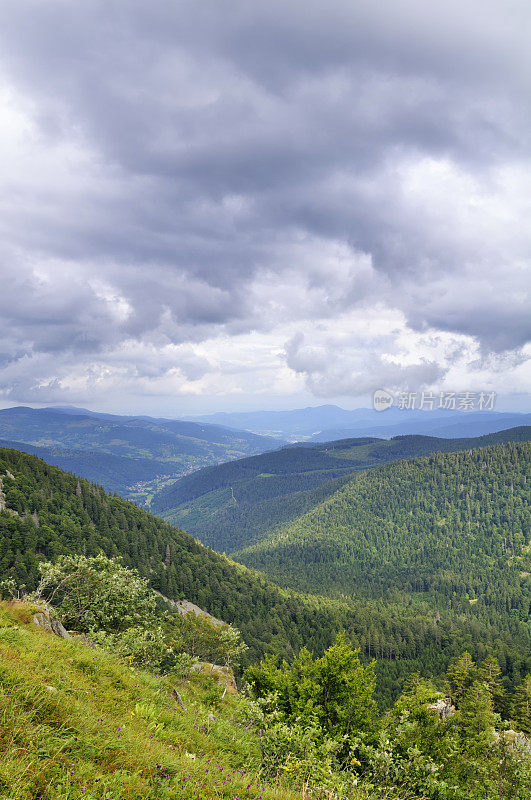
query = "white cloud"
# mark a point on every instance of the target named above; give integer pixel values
(185, 191)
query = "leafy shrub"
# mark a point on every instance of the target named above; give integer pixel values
(144, 647)
(96, 593)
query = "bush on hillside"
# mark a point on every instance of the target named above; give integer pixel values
(96, 593)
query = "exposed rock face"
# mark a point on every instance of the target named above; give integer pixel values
(185, 607)
(59, 630)
(443, 708)
(3, 506)
(515, 739)
(44, 621)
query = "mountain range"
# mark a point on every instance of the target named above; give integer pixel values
(329, 422)
(473, 501)
(130, 455)
(233, 505)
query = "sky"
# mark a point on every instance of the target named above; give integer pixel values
(227, 204)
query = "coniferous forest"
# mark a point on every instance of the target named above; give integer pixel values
(396, 634)
(238, 503)
(413, 595)
(453, 527)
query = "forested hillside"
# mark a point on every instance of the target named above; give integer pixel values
(233, 505)
(450, 528)
(49, 512)
(134, 456)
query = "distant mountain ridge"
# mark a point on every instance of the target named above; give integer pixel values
(121, 452)
(328, 422)
(452, 426)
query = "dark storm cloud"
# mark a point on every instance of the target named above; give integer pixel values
(177, 151)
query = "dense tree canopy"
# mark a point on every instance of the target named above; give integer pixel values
(50, 513)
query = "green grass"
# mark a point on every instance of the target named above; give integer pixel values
(77, 723)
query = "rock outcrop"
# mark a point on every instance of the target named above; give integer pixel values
(186, 607)
(443, 708)
(43, 620)
(515, 739)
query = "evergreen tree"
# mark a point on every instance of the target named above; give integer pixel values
(459, 677)
(522, 706)
(476, 718)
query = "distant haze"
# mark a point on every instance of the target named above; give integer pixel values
(327, 423)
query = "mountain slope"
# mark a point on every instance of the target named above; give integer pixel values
(454, 528)
(45, 512)
(233, 505)
(122, 452)
(49, 512)
(76, 722)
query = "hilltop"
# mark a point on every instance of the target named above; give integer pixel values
(234, 505)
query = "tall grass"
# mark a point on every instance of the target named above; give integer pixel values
(77, 723)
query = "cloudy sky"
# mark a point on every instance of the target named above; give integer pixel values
(223, 204)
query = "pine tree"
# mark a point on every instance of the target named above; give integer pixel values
(476, 718)
(522, 706)
(489, 672)
(460, 676)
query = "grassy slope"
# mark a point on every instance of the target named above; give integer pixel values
(234, 505)
(78, 723)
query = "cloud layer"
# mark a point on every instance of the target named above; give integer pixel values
(241, 199)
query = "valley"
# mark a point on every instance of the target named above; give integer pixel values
(134, 456)
(236, 504)
(394, 556)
